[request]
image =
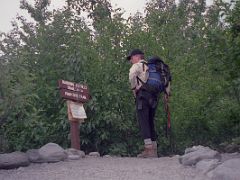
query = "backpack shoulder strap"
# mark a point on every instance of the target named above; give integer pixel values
(140, 80)
(144, 63)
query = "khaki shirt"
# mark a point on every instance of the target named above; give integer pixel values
(139, 70)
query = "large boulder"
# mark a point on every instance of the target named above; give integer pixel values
(52, 152)
(211, 165)
(228, 170)
(193, 155)
(13, 160)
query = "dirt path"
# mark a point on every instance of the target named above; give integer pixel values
(104, 169)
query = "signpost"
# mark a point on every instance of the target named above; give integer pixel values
(76, 95)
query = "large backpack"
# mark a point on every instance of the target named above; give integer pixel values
(159, 75)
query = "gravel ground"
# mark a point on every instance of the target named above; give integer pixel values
(104, 168)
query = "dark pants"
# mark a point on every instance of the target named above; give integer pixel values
(146, 105)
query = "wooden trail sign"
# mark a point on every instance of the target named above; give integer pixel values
(75, 94)
(73, 91)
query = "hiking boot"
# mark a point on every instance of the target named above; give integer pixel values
(148, 152)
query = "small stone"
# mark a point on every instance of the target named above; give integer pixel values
(20, 169)
(175, 156)
(73, 157)
(107, 156)
(94, 154)
(72, 151)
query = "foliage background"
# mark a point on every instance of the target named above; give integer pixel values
(200, 43)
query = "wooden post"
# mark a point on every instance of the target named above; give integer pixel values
(74, 131)
(74, 127)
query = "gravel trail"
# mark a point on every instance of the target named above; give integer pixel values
(103, 168)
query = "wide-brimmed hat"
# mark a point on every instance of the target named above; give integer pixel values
(134, 52)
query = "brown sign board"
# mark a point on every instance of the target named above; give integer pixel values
(73, 91)
(75, 96)
(62, 84)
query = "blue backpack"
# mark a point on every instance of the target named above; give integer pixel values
(159, 75)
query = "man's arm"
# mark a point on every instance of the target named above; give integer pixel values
(133, 73)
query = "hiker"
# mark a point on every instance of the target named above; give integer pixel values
(146, 101)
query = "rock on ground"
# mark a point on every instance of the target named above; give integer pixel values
(211, 165)
(194, 155)
(52, 152)
(13, 160)
(228, 170)
(74, 154)
(94, 154)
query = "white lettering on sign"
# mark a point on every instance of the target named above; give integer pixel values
(82, 96)
(68, 83)
(70, 88)
(73, 86)
(81, 86)
(75, 95)
(71, 94)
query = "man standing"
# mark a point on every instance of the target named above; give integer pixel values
(146, 103)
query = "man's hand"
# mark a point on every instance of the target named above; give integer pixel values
(166, 97)
(168, 92)
(136, 90)
(134, 93)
